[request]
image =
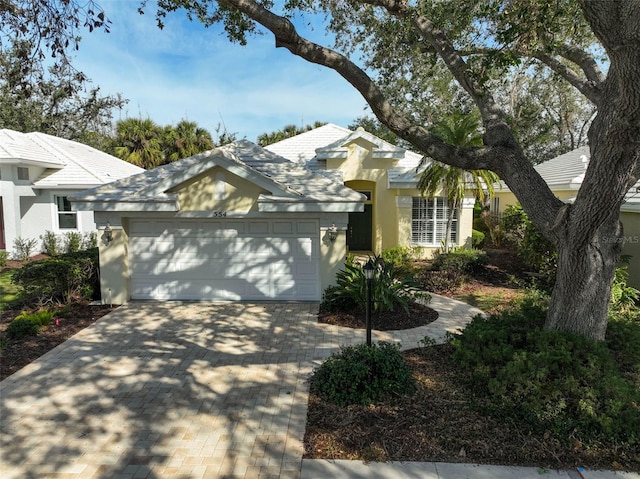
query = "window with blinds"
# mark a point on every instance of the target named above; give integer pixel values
(429, 222)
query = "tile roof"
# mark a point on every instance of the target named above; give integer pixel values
(68, 163)
(302, 148)
(284, 179)
(313, 147)
(566, 172)
(567, 169)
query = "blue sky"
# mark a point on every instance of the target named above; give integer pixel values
(188, 72)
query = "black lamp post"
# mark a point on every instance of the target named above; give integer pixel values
(368, 273)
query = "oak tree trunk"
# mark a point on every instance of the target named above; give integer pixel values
(580, 299)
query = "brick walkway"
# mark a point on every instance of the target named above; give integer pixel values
(175, 390)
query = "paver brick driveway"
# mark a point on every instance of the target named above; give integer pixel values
(180, 390)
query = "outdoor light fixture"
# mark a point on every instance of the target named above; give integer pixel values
(332, 231)
(368, 274)
(108, 233)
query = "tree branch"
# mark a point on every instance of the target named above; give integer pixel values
(585, 61)
(287, 36)
(584, 86)
(502, 154)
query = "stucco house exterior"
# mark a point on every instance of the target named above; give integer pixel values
(395, 213)
(242, 222)
(564, 175)
(38, 173)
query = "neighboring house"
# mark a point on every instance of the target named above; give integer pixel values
(38, 173)
(395, 212)
(564, 175)
(242, 222)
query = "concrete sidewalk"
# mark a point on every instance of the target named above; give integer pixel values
(315, 469)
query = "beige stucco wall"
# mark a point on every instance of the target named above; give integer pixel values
(216, 190)
(114, 266)
(391, 215)
(631, 222)
(332, 254)
(507, 198)
(360, 171)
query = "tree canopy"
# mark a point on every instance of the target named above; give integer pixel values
(473, 47)
(147, 144)
(52, 28)
(57, 100)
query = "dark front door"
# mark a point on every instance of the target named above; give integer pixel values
(360, 227)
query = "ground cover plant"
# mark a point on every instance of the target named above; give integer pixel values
(400, 302)
(27, 328)
(505, 392)
(363, 374)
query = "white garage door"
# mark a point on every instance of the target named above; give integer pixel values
(225, 259)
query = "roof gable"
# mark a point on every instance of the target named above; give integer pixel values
(284, 182)
(378, 147)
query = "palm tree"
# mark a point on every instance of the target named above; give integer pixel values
(138, 141)
(184, 140)
(458, 130)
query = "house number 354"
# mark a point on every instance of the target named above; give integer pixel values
(219, 214)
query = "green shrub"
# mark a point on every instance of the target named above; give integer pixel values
(24, 248)
(536, 250)
(90, 240)
(51, 243)
(42, 317)
(64, 279)
(477, 239)
(20, 328)
(623, 297)
(444, 281)
(363, 375)
(554, 381)
(72, 242)
(3, 258)
(480, 224)
(391, 287)
(400, 256)
(465, 260)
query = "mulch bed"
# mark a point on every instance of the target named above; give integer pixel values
(441, 423)
(15, 354)
(419, 315)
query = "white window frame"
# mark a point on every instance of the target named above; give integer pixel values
(69, 213)
(429, 221)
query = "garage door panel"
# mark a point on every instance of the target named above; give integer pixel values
(224, 260)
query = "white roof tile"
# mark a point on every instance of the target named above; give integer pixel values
(567, 172)
(68, 163)
(313, 147)
(287, 178)
(302, 148)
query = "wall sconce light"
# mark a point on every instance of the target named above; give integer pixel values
(332, 231)
(108, 233)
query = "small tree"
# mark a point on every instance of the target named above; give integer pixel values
(459, 130)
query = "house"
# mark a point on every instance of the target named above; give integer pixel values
(564, 175)
(242, 222)
(38, 173)
(395, 213)
(234, 223)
